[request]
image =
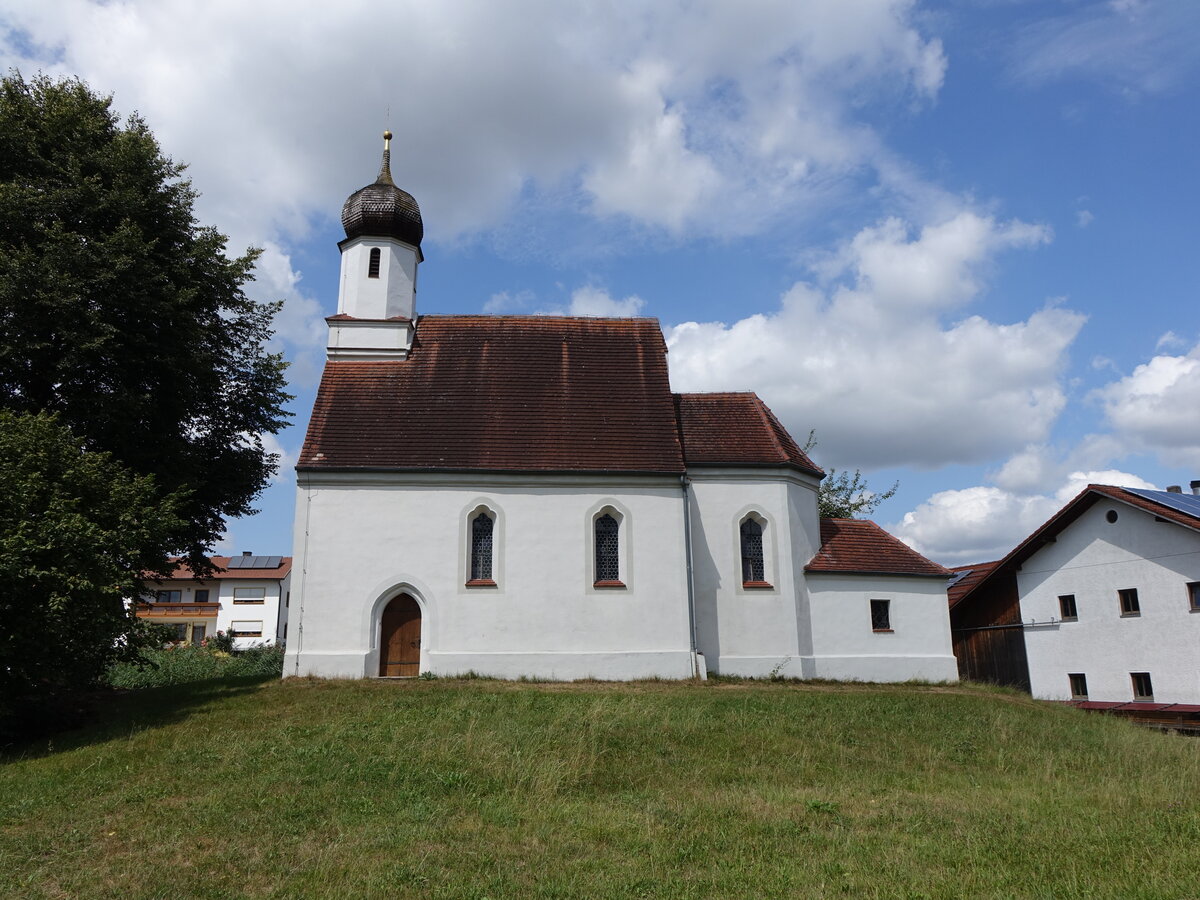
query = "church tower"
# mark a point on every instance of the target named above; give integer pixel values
(378, 285)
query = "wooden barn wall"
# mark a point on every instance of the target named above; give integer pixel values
(984, 652)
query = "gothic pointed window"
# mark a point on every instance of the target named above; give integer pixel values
(608, 561)
(753, 570)
(481, 548)
(373, 263)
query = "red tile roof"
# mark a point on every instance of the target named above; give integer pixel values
(183, 573)
(508, 393)
(534, 393)
(735, 429)
(1057, 523)
(861, 546)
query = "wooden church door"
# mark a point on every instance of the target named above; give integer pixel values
(400, 637)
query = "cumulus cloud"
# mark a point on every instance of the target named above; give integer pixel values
(652, 112)
(985, 522)
(1154, 407)
(867, 358)
(590, 300)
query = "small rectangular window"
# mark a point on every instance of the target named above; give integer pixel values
(1142, 688)
(373, 263)
(202, 596)
(1078, 686)
(881, 617)
(198, 632)
(246, 629)
(1193, 590)
(1129, 602)
(1066, 607)
(249, 595)
(180, 629)
(167, 596)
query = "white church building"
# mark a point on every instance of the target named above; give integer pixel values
(525, 496)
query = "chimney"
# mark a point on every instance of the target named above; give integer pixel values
(251, 553)
(1195, 487)
(1174, 489)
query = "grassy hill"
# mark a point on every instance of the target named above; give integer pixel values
(472, 789)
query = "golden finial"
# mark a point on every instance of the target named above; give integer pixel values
(385, 170)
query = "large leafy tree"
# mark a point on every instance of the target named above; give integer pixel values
(122, 315)
(77, 531)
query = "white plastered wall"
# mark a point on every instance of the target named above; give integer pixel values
(754, 632)
(845, 647)
(1093, 559)
(392, 293)
(361, 539)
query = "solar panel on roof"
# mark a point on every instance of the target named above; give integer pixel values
(254, 562)
(959, 576)
(1189, 504)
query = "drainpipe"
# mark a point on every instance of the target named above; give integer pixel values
(685, 484)
(303, 574)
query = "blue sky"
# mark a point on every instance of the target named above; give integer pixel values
(958, 239)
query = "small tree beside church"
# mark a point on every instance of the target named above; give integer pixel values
(845, 494)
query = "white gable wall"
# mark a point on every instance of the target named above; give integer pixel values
(1093, 559)
(846, 647)
(361, 539)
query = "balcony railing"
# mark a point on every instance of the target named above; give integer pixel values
(190, 610)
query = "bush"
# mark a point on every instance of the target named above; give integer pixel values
(176, 665)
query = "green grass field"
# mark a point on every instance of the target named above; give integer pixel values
(472, 789)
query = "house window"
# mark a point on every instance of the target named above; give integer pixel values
(1129, 602)
(881, 616)
(373, 263)
(608, 561)
(753, 569)
(246, 629)
(1078, 686)
(1142, 688)
(167, 596)
(202, 596)
(482, 527)
(198, 634)
(1066, 607)
(1193, 590)
(181, 631)
(249, 595)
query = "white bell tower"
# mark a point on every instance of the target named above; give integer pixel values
(378, 285)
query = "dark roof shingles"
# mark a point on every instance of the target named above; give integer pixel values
(507, 393)
(735, 429)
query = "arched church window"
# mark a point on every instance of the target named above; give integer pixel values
(481, 547)
(373, 263)
(608, 563)
(753, 571)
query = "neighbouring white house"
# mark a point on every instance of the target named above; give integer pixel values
(525, 496)
(1106, 596)
(246, 595)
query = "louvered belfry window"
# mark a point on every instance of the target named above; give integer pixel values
(481, 548)
(373, 263)
(752, 552)
(608, 566)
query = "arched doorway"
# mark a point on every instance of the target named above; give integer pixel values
(400, 637)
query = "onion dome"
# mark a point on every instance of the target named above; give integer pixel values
(382, 209)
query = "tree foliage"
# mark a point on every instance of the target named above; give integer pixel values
(77, 532)
(122, 315)
(845, 494)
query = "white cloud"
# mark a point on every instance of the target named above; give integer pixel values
(1135, 47)
(868, 360)
(508, 302)
(287, 458)
(595, 301)
(983, 523)
(1084, 218)
(701, 117)
(1154, 407)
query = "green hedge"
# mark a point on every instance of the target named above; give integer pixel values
(176, 665)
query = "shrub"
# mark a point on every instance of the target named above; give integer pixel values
(176, 665)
